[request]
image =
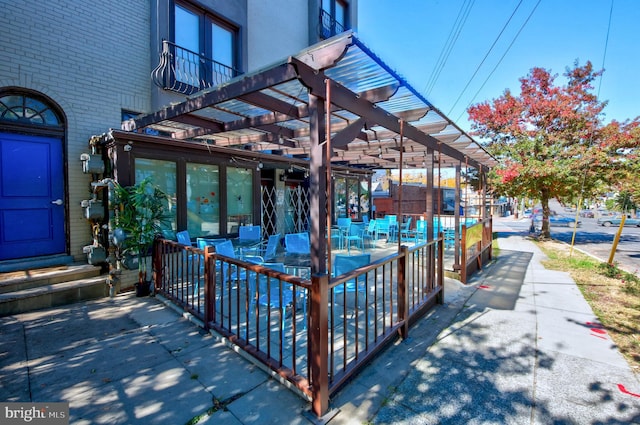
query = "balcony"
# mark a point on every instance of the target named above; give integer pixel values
(329, 26)
(184, 71)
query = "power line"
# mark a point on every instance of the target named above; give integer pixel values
(500, 61)
(454, 33)
(485, 57)
(606, 44)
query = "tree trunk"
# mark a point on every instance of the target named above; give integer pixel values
(545, 232)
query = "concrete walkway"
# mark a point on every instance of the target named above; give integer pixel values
(517, 345)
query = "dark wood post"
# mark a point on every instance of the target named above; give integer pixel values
(319, 343)
(317, 185)
(463, 259)
(440, 271)
(157, 263)
(209, 293)
(403, 292)
(456, 220)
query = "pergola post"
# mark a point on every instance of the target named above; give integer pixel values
(429, 169)
(317, 185)
(456, 221)
(319, 344)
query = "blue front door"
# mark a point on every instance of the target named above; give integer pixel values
(32, 211)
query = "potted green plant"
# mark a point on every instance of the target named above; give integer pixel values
(141, 213)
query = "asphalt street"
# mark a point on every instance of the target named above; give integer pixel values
(598, 240)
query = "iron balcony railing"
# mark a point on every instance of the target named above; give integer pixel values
(328, 25)
(184, 71)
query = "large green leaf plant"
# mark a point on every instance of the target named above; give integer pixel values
(141, 213)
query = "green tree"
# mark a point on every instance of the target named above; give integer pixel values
(550, 139)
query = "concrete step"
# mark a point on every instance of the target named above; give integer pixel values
(51, 287)
(26, 279)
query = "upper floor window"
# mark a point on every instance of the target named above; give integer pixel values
(202, 51)
(333, 18)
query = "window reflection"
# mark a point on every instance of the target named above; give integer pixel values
(163, 174)
(203, 200)
(239, 198)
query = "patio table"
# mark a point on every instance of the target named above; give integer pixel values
(297, 262)
(242, 245)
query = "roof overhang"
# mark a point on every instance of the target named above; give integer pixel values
(371, 108)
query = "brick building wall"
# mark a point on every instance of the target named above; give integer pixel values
(93, 60)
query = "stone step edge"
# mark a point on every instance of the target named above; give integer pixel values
(53, 276)
(47, 289)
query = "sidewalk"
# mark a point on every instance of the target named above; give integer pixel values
(518, 345)
(525, 349)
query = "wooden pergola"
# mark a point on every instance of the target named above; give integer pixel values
(335, 103)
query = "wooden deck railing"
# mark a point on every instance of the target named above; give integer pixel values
(304, 330)
(476, 244)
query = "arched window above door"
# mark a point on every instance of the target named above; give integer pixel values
(29, 110)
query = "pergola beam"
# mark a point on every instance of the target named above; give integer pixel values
(348, 100)
(236, 88)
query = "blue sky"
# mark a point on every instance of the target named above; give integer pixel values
(410, 35)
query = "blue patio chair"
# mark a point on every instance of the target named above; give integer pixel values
(355, 236)
(421, 231)
(449, 238)
(249, 238)
(251, 233)
(297, 243)
(393, 226)
(405, 229)
(382, 225)
(225, 269)
(271, 250)
(184, 238)
(370, 232)
(273, 294)
(203, 243)
(346, 263)
(344, 224)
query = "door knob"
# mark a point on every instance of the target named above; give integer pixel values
(57, 202)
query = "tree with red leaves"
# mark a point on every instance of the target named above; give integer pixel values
(551, 141)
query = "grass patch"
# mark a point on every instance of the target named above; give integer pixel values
(613, 294)
(495, 248)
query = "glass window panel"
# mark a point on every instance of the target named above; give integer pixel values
(163, 174)
(203, 200)
(340, 15)
(222, 42)
(187, 29)
(11, 101)
(27, 108)
(239, 198)
(32, 115)
(34, 104)
(326, 5)
(340, 197)
(49, 117)
(364, 197)
(354, 200)
(187, 36)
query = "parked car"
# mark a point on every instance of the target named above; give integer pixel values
(556, 220)
(587, 214)
(616, 220)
